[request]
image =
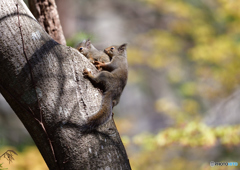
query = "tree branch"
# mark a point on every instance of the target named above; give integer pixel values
(46, 13)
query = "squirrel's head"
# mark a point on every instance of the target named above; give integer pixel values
(84, 47)
(115, 50)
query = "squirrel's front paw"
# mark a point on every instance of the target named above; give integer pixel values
(86, 72)
(98, 64)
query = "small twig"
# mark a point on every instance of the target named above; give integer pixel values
(9, 155)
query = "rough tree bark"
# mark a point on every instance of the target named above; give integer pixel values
(45, 11)
(50, 96)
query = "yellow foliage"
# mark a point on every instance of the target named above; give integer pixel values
(158, 50)
(189, 89)
(138, 56)
(230, 7)
(190, 106)
(202, 32)
(203, 35)
(198, 48)
(219, 51)
(166, 105)
(193, 137)
(181, 113)
(193, 134)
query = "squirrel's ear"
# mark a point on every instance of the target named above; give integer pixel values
(122, 47)
(88, 43)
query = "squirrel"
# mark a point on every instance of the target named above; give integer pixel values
(111, 80)
(89, 51)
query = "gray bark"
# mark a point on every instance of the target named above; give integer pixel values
(57, 91)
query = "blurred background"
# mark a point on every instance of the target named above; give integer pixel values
(180, 108)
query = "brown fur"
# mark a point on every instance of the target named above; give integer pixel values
(111, 81)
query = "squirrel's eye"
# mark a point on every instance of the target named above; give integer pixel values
(80, 49)
(112, 48)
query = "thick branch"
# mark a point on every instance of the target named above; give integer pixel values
(46, 13)
(66, 98)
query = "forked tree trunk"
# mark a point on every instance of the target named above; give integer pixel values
(45, 11)
(50, 96)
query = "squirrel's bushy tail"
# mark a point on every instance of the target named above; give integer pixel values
(102, 115)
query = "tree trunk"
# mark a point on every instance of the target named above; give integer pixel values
(50, 96)
(45, 11)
